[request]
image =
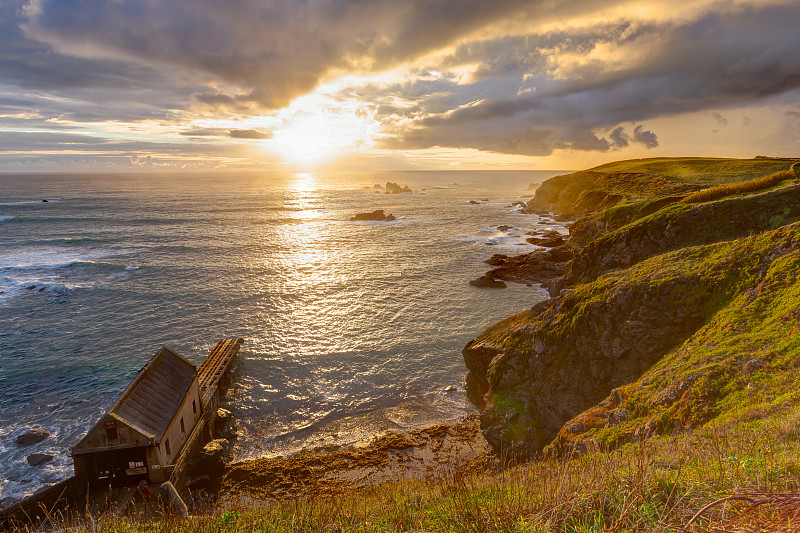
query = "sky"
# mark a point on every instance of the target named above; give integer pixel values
(104, 85)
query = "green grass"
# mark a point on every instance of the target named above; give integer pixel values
(680, 224)
(699, 170)
(654, 485)
(737, 370)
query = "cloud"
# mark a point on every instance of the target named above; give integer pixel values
(619, 139)
(271, 51)
(508, 76)
(721, 120)
(597, 78)
(645, 137)
(250, 134)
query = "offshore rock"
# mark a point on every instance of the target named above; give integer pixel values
(32, 436)
(378, 214)
(545, 242)
(488, 282)
(223, 425)
(36, 459)
(394, 188)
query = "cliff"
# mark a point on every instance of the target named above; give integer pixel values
(681, 295)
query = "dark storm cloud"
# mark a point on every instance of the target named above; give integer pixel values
(128, 61)
(618, 137)
(272, 50)
(646, 137)
(723, 59)
(34, 78)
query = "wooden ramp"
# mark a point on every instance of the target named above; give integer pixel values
(215, 365)
(210, 376)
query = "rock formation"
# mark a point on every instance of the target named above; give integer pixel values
(378, 214)
(661, 309)
(32, 436)
(394, 188)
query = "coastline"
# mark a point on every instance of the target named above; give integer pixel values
(431, 452)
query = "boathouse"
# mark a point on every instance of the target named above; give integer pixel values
(140, 437)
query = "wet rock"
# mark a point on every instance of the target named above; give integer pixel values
(535, 267)
(211, 458)
(223, 425)
(223, 416)
(496, 260)
(450, 388)
(504, 227)
(31, 287)
(547, 243)
(32, 436)
(378, 214)
(488, 282)
(474, 202)
(36, 459)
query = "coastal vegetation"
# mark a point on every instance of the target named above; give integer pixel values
(656, 390)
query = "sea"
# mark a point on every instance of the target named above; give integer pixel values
(351, 328)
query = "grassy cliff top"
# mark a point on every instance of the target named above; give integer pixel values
(703, 171)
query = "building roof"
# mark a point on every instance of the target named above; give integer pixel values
(151, 401)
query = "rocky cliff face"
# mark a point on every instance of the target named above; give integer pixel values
(588, 191)
(613, 355)
(533, 373)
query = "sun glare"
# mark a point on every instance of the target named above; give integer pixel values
(317, 128)
(307, 140)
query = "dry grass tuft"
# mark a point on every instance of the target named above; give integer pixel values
(757, 184)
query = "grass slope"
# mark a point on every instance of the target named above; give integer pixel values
(699, 170)
(741, 366)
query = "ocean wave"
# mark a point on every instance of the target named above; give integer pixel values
(58, 270)
(19, 478)
(27, 202)
(5, 218)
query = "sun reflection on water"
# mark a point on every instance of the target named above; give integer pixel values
(314, 285)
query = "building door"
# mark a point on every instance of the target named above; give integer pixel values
(119, 468)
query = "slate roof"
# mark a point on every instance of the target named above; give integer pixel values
(151, 401)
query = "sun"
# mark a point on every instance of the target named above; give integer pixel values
(319, 127)
(307, 140)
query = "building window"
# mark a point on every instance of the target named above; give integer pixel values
(183, 428)
(194, 406)
(111, 434)
(166, 445)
